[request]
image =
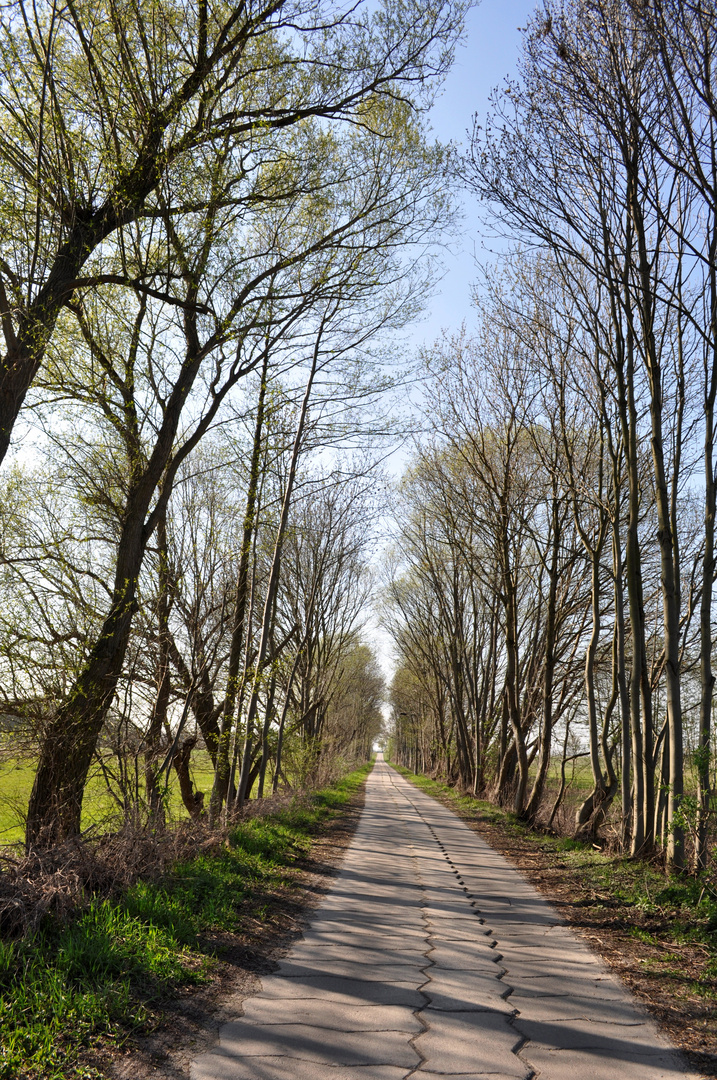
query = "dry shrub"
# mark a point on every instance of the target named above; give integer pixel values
(65, 877)
(271, 804)
(59, 880)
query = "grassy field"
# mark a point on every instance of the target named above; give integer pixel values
(15, 785)
(16, 778)
(106, 973)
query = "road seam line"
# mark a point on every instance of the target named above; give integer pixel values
(518, 1051)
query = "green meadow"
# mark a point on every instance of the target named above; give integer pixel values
(99, 806)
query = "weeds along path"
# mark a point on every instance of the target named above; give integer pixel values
(431, 956)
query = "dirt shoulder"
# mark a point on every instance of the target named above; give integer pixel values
(189, 1024)
(671, 980)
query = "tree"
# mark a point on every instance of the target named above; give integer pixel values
(568, 162)
(261, 213)
(111, 115)
(323, 597)
(683, 133)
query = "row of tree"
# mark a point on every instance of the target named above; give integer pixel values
(560, 518)
(319, 697)
(209, 213)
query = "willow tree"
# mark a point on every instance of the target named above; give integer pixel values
(325, 224)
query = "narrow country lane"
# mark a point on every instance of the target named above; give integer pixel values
(431, 956)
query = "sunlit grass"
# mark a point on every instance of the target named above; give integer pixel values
(16, 779)
(105, 973)
(98, 807)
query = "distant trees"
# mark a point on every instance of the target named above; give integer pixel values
(318, 693)
(488, 505)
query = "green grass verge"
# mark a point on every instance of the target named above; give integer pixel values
(666, 910)
(105, 973)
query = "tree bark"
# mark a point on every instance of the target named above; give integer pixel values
(536, 795)
(668, 552)
(223, 765)
(158, 720)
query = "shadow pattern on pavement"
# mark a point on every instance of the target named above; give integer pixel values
(431, 957)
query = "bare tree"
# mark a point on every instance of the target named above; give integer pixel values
(589, 72)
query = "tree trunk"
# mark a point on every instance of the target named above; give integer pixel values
(619, 638)
(193, 800)
(223, 765)
(587, 815)
(265, 737)
(70, 738)
(639, 682)
(536, 795)
(707, 680)
(158, 720)
(282, 724)
(668, 552)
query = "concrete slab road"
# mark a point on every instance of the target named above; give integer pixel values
(432, 957)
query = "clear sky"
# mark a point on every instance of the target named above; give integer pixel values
(488, 55)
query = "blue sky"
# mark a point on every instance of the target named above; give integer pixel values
(489, 53)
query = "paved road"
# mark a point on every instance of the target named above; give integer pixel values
(433, 957)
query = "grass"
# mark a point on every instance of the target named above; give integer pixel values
(106, 973)
(16, 779)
